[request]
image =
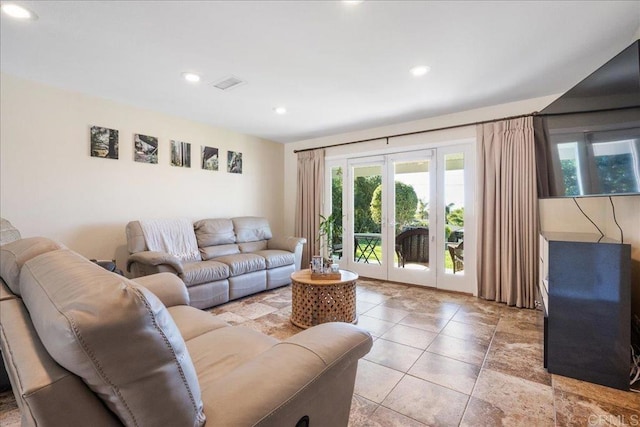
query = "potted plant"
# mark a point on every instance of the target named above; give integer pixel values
(328, 230)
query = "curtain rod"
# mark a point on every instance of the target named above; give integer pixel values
(416, 132)
(534, 114)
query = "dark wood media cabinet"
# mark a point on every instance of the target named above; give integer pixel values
(585, 288)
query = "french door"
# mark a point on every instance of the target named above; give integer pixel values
(404, 216)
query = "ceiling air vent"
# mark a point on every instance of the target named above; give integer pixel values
(229, 83)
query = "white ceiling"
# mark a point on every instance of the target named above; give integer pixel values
(336, 67)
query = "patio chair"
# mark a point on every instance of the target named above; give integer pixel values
(413, 246)
(457, 255)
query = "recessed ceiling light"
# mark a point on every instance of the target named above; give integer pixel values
(420, 70)
(280, 110)
(352, 2)
(18, 12)
(191, 77)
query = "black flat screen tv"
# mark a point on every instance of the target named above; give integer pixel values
(590, 136)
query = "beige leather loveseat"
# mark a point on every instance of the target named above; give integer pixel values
(87, 347)
(218, 259)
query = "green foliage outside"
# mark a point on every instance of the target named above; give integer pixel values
(406, 204)
(363, 195)
(328, 231)
(367, 211)
(456, 217)
(453, 217)
(410, 211)
(422, 213)
(336, 207)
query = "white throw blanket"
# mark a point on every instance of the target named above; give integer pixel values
(173, 236)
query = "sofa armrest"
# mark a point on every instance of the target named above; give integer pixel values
(291, 244)
(155, 259)
(41, 386)
(311, 374)
(331, 341)
(169, 288)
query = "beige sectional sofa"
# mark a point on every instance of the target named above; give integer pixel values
(234, 257)
(87, 347)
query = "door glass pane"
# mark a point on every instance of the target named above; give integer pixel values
(334, 238)
(367, 214)
(454, 213)
(412, 205)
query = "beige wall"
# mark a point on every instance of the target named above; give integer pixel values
(50, 186)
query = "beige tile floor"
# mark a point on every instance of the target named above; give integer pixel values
(442, 359)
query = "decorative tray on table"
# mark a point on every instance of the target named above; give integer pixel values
(323, 269)
(326, 276)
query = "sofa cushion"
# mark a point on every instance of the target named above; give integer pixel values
(216, 251)
(251, 228)
(114, 334)
(199, 272)
(276, 258)
(214, 232)
(220, 351)
(250, 247)
(14, 254)
(243, 263)
(193, 322)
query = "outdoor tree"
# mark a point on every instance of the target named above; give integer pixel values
(456, 217)
(336, 197)
(336, 207)
(423, 210)
(406, 204)
(363, 187)
(421, 218)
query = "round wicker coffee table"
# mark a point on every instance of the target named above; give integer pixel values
(321, 301)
